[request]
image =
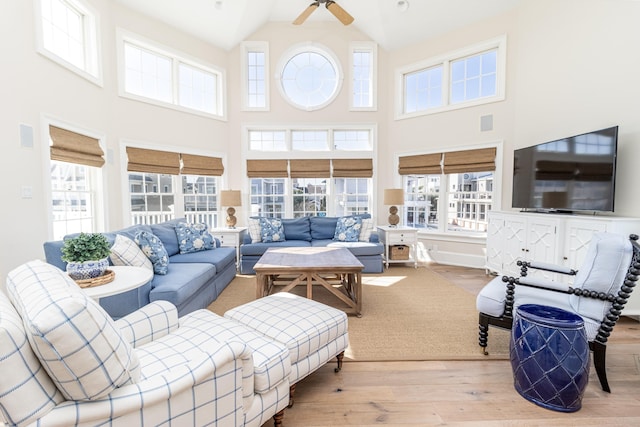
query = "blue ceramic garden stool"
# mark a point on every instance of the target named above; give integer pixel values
(549, 356)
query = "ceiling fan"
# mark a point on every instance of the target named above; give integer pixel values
(331, 5)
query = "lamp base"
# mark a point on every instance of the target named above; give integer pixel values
(394, 219)
(231, 219)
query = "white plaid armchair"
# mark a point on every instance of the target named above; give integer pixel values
(64, 361)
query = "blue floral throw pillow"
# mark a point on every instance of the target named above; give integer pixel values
(271, 230)
(348, 229)
(194, 237)
(153, 248)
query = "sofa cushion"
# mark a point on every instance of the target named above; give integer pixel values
(182, 282)
(126, 252)
(219, 257)
(194, 237)
(26, 391)
(166, 231)
(76, 341)
(297, 228)
(348, 229)
(261, 248)
(323, 227)
(254, 230)
(272, 230)
(153, 248)
(366, 230)
(356, 248)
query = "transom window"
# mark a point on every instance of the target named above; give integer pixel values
(152, 73)
(470, 76)
(363, 76)
(68, 33)
(310, 77)
(254, 71)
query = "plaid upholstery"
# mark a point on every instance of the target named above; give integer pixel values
(149, 323)
(313, 332)
(75, 339)
(26, 391)
(126, 252)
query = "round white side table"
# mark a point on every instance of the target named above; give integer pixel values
(127, 278)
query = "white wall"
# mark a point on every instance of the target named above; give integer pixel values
(571, 68)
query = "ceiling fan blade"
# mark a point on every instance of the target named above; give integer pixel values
(339, 12)
(305, 13)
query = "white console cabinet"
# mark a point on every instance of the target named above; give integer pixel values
(552, 238)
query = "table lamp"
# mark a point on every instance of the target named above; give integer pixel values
(394, 197)
(230, 198)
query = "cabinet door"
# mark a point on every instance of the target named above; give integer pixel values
(578, 236)
(514, 236)
(542, 243)
(495, 243)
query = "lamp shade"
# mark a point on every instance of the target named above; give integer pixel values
(230, 198)
(394, 196)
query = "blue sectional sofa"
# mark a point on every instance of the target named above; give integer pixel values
(309, 232)
(193, 280)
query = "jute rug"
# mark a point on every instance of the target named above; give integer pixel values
(408, 314)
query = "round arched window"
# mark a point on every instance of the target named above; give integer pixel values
(310, 77)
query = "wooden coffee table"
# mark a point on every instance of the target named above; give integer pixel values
(335, 269)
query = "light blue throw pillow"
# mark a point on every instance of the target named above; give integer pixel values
(271, 230)
(348, 229)
(194, 237)
(153, 248)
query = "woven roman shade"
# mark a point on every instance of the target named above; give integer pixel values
(201, 165)
(470, 160)
(352, 168)
(310, 168)
(420, 164)
(72, 147)
(153, 161)
(267, 169)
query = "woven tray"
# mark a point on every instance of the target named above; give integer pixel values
(107, 277)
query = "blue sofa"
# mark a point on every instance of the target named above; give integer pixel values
(193, 281)
(313, 231)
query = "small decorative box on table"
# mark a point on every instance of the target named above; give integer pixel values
(550, 357)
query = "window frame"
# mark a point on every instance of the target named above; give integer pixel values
(445, 60)
(445, 191)
(372, 48)
(98, 177)
(245, 48)
(92, 47)
(176, 58)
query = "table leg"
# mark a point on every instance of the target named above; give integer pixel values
(260, 285)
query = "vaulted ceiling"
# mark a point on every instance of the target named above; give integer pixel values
(225, 23)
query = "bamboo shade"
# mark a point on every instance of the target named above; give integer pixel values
(470, 160)
(420, 164)
(267, 169)
(310, 168)
(352, 168)
(73, 147)
(153, 161)
(201, 165)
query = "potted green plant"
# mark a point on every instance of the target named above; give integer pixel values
(87, 255)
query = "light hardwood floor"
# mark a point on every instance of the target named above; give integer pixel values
(459, 393)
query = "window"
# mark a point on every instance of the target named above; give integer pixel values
(449, 192)
(155, 74)
(363, 76)
(467, 77)
(68, 33)
(152, 198)
(310, 77)
(312, 172)
(76, 182)
(255, 69)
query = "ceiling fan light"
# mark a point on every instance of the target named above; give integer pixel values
(402, 5)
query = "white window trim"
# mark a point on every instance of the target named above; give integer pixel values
(460, 236)
(316, 48)
(245, 48)
(179, 201)
(123, 36)
(373, 49)
(101, 221)
(499, 42)
(93, 47)
(290, 154)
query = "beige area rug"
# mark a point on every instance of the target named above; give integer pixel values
(408, 314)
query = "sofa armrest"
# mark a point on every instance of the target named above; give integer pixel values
(149, 323)
(208, 388)
(374, 238)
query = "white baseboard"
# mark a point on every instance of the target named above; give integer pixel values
(458, 259)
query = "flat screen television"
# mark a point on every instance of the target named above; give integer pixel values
(577, 173)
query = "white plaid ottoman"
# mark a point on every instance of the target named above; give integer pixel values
(314, 332)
